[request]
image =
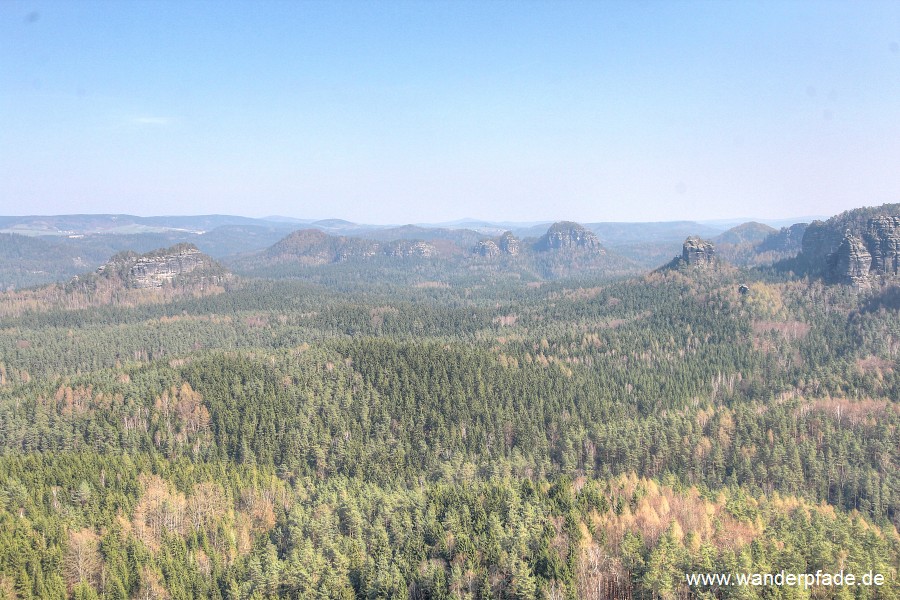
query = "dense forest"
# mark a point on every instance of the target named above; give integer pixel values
(347, 434)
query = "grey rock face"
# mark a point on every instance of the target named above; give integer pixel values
(698, 252)
(509, 244)
(861, 260)
(882, 240)
(567, 235)
(155, 269)
(851, 262)
(820, 240)
(487, 248)
(405, 249)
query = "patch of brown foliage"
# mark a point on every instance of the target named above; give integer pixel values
(659, 506)
(650, 510)
(506, 320)
(851, 412)
(103, 292)
(875, 365)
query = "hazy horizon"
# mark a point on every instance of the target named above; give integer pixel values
(723, 223)
(414, 112)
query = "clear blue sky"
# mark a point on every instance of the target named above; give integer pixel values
(426, 111)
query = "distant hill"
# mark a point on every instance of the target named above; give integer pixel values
(61, 246)
(332, 223)
(652, 244)
(86, 224)
(786, 240)
(463, 238)
(565, 249)
(27, 261)
(315, 247)
(614, 234)
(750, 233)
(753, 244)
(228, 240)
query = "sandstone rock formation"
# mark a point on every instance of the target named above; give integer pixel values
(509, 244)
(407, 248)
(487, 248)
(697, 252)
(567, 235)
(859, 247)
(882, 240)
(506, 245)
(156, 269)
(861, 258)
(851, 262)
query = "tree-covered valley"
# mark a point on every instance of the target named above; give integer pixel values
(372, 429)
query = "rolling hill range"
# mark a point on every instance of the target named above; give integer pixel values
(473, 415)
(565, 249)
(43, 249)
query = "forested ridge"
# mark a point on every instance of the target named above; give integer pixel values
(343, 437)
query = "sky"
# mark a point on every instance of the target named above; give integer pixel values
(395, 112)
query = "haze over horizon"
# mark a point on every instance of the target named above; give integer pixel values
(408, 112)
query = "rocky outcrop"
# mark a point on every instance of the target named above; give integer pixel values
(820, 240)
(509, 244)
(859, 247)
(567, 235)
(407, 249)
(851, 262)
(882, 240)
(160, 267)
(861, 258)
(506, 245)
(696, 252)
(487, 249)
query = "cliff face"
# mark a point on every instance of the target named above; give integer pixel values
(156, 269)
(820, 240)
(509, 244)
(487, 249)
(563, 239)
(410, 248)
(860, 259)
(506, 245)
(698, 252)
(882, 240)
(851, 262)
(857, 247)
